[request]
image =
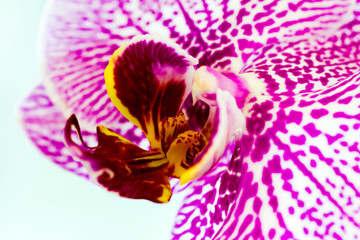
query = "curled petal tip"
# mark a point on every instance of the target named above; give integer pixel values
(207, 81)
(120, 166)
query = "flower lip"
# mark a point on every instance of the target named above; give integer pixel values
(148, 81)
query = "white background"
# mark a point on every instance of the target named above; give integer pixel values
(38, 200)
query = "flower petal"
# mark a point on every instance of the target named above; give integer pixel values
(148, 79)
(298, 164)
(44, 125)
(80, 37)
(120, 166)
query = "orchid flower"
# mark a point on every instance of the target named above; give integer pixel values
(148, 80)
(294, 173)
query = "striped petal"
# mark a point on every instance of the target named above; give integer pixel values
(44, 125)
(120, 166)
(79, 38)
(148, 80)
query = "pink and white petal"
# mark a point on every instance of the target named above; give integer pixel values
(308, 178)
(44, 124)
(299, 165)
(79, 38)
(304, 66)
(295, 179)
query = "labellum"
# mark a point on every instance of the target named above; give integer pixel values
(148, 80)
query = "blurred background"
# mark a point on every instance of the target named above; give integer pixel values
(38, 200)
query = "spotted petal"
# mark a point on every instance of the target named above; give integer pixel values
(79, 38)
(299, 158)
(148, 79)
(120, 166)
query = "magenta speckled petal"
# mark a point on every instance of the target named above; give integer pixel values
(301, 171)
(295, 174)
(44, 124)
(80, 37)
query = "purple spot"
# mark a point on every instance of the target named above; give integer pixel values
(318, 113)
(302, 32)
(242, 13)
(294, 116)
(212, 35)
(272, 233)
(311, 130)
(224, 26)
(266, 177)
(346, 116)
(328, 214)
(247, 29)
(332, 139)
(304, 103)
(345, 100)
(262, 146)
(354, 148)
(330, 183)
(345, 128)
(257, 205)
(313, 163)
(260, 15)
(234, 32)
(274, 165)
(245, 223)
(356, 169)
(273, 203)
(281, 14)
(261, 25)
(276, 61)
(298, 140)
(288, 102)
(336, 236)
(291, 210)
(287, 174)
